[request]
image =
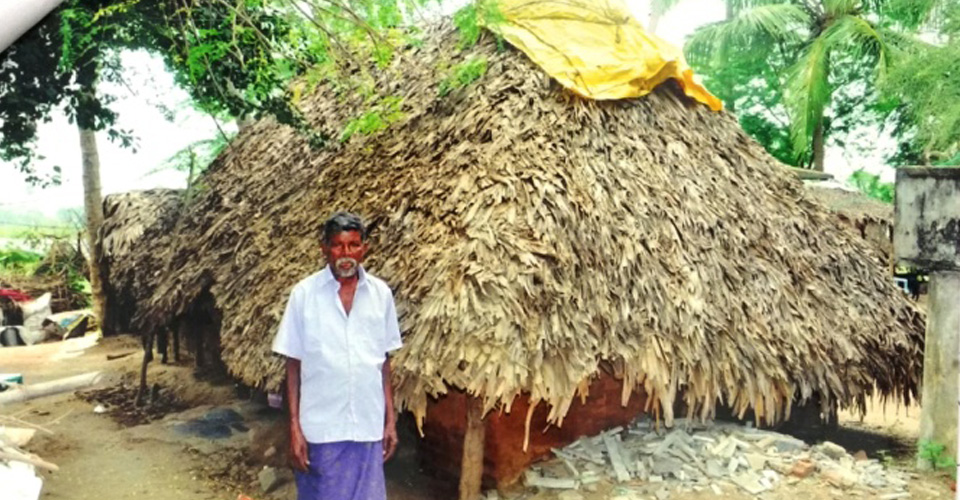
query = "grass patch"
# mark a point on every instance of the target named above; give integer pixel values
(19, 261)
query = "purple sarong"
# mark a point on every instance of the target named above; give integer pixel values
(346, 470)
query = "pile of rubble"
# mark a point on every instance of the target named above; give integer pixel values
(706, 457)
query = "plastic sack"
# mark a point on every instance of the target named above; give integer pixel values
(595, 48)
(20, 481)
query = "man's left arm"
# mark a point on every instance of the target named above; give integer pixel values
(390, 419)
(393, 342)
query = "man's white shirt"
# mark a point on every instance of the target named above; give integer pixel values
(341, 356)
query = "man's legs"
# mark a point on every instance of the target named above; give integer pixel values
(343, 471)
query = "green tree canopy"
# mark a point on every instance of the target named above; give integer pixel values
(783, 63)
(926, 83)
(235, 58)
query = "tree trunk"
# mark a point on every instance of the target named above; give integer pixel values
(653, 22)
(818, 147)
(190, 175)
(93, 209)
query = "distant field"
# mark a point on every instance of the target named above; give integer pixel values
(19, 236)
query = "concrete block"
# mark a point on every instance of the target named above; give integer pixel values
(755, 461)
(534, 479)
(750, 482)
(714, 469)
(789, 445)
(664, 466)
(832, 450)
(840, 478)
(927, 208)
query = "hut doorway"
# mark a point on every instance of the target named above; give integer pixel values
(198, 327)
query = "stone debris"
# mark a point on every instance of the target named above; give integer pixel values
(269, 479)
(534, 479)
(832, 450)
(651, 462)
(802, 468)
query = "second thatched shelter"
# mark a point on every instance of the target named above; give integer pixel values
(871, 218)
(540, 245)
(133, 237)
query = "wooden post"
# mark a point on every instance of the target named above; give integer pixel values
(471, 467)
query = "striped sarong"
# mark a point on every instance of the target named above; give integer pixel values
(346, 470)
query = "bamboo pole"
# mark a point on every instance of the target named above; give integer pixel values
(31, 391)
(12, 454)
(471, 467)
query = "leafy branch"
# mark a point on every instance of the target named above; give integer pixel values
(463, 74)
(386, 112)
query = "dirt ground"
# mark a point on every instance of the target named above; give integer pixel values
(205, 440)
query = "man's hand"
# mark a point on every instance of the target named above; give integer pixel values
(390, 440)
(299, 454)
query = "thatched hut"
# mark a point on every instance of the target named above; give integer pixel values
(135, 230)
(545, 249)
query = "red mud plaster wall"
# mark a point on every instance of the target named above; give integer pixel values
(504, 458)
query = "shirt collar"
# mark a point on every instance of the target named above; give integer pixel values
(326, 276)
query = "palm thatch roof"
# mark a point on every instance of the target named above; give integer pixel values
(531, 235)
(851, 204)
(873, 219)
(135, 229)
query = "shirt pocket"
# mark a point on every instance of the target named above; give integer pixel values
(371, 339)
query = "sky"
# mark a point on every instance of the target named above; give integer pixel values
(159, 139)
(121, 169)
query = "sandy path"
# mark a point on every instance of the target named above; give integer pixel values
(96, 459)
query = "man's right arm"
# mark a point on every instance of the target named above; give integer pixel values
(288, 344)
(299, 455)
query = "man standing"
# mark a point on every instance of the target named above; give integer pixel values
(338, 326)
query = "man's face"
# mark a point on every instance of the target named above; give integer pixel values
(345, 253)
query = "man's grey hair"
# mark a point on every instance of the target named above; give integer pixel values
(343, 221)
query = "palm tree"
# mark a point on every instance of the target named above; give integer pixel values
(807, 40)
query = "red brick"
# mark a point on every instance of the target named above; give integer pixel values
(802, 468)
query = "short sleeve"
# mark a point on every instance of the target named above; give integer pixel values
(289, 339)
(392, 325)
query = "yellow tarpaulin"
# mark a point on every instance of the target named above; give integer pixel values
(595, 48)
